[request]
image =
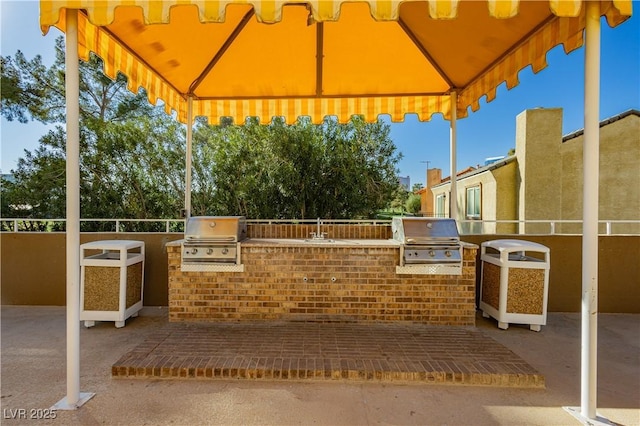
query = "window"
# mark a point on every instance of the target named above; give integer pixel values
(473, 202)
(440, 202)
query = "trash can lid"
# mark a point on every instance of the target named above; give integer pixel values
(515, 245)
(112, 244)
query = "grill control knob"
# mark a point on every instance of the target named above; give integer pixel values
(225, 250)
(209, 251)
(432, 253)
(194, 250)
(447, 253)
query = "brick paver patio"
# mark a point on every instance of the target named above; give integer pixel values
(327, 351)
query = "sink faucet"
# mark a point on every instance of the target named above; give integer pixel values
(318, 235)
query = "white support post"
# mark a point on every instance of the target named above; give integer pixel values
(453, 198)
(188, 157)
(591, 155)
(74, 398)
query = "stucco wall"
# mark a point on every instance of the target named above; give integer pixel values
(499, 197)
(33, 266)
(442, 189)
(619, 191)
(545, 182)
(538, 135)
(551, 171)
(427, 201)
(618, 271)
(488, 193)
(32, 269)
(506, 178)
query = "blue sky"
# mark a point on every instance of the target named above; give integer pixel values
(486, 133)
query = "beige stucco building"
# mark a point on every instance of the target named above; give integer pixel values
(434, 177)
(543, 180)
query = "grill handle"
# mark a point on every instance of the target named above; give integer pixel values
(204, 240)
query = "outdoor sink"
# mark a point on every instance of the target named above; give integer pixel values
(328, 241)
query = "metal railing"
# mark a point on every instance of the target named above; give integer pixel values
(106, 225)
(322, 221)
(466, 227)
(546, 227)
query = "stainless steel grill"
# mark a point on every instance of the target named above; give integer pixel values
(213, 239)
(428, 241)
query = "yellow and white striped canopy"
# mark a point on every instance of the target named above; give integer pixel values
(323, 57)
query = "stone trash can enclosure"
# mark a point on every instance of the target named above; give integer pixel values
(514, 283)
(112, 281)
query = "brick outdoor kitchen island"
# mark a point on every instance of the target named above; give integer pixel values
(346, 280)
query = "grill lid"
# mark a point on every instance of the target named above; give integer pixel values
(425, 230)
(215, 229)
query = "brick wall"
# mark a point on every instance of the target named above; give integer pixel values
(333, 230)
(321, 284)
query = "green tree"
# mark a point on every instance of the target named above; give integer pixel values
(399, 200)
(31, 90)
(293, 171)
(132, 156)
(12, 102)
(414, 204)
(121, 137)
(139, 171)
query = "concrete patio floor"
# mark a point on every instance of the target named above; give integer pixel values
(34, 377)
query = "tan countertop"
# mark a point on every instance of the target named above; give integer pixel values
(327, 242)
(469, 245)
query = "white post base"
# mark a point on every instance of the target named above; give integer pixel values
(598, 421)
(63, 405)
